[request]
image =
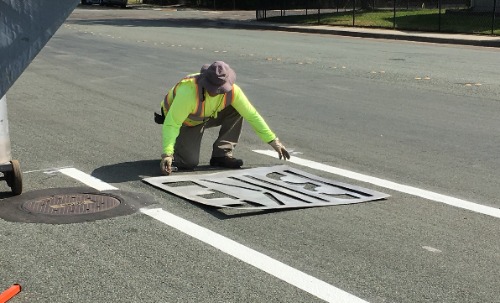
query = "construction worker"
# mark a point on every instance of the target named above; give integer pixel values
(204, 100)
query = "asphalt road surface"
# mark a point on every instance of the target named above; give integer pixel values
(418, 117)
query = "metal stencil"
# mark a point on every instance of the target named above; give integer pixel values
(263, 188)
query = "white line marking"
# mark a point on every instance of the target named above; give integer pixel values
(274, 267)
(87, 179)
(426, 194)
(431, 249)
(46, 170)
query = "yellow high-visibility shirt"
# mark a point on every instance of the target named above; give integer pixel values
(182, 100)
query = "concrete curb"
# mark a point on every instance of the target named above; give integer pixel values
(485, 41)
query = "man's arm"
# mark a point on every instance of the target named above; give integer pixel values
(252, 116)
(181, 107)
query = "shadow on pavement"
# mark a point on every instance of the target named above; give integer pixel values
(228, 213)
(127, 171)
(164, 22)
(138, 170)
(6, 194)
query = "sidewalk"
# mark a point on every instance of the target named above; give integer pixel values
(247, 19)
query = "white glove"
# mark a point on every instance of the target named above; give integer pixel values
(280, 148)
(166, 164)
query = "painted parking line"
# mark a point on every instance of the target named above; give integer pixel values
(301, 280)
(426, 194)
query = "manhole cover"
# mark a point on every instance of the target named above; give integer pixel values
(72, 204)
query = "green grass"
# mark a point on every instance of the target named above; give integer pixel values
(418, 20)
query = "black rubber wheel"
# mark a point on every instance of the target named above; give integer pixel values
(14, 178)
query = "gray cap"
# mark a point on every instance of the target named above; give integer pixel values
(217, 78)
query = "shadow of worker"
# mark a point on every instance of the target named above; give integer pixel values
(128, 171)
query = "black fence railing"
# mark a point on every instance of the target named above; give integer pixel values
(452, 16)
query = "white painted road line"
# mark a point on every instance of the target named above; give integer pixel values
(482, 209)
(46, 170)
(274, 267)
(87, 179)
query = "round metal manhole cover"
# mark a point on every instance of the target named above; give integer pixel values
(72, 204)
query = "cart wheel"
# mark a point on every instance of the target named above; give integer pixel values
(14, 178)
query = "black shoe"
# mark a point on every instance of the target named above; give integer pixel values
(228, 162)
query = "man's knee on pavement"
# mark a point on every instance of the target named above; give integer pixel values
(186, 162)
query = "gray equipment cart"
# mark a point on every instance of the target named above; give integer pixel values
(10, 169)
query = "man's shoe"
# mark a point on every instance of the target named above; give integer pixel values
(228, 162)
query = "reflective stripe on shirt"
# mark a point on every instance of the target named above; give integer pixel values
(198, 114)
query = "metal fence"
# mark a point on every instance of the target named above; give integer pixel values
(453, 16)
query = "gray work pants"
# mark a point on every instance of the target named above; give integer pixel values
(188, 143)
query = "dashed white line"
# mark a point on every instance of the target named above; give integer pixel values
(299, 279)
(426, 194)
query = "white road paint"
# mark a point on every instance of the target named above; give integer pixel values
(426, 194)
(46, 170)
(267, 264)
(431, 249)
(87, 179)
(271, 266)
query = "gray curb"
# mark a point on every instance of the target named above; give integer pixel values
(485, 41)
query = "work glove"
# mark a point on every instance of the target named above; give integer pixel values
(166, 164)
(280, 148)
